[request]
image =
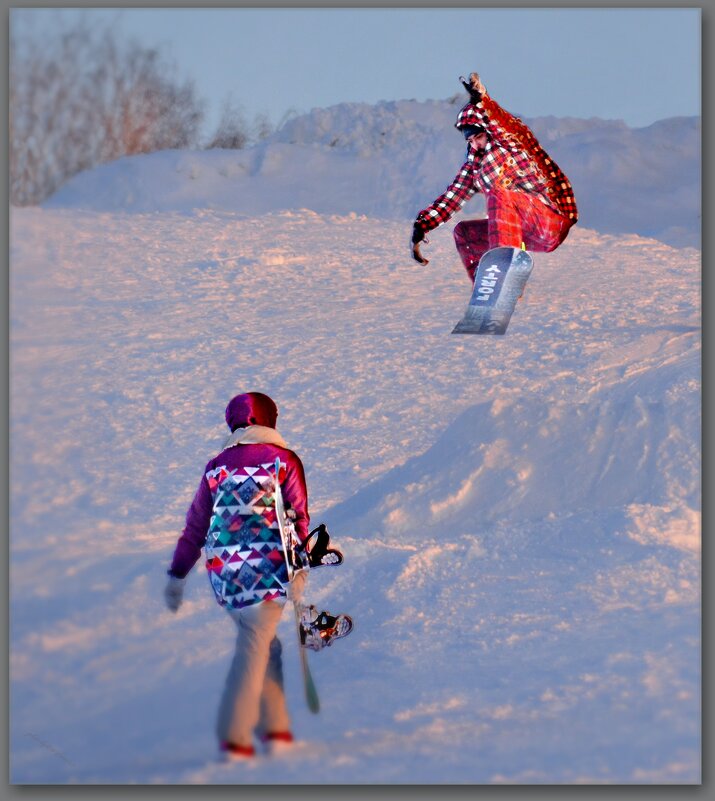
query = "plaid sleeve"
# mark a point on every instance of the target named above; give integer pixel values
(449, 203)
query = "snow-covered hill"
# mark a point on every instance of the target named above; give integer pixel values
(391, 159)
(520, 515)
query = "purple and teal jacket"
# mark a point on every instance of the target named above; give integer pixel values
(233, 518)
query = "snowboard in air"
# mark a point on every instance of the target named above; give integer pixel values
(499, 283)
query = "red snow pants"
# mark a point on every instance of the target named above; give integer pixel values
(512, 218)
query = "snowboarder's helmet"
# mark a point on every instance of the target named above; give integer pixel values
(472, 130)
(251, 409)
(468, 117)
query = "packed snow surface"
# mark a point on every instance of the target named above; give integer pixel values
(520, 515)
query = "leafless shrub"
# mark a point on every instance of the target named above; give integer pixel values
(82, 98)
(262, 127)
(232, 130)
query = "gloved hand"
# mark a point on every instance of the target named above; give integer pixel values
(475, 82)
(475, 87)
(418, 236)
(174, 592)
(297, 586)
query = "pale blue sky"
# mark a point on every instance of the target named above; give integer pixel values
(639, 65)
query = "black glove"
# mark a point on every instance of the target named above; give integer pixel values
(418, 235)
(475, 87)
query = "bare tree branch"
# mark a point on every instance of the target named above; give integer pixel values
(82, 98)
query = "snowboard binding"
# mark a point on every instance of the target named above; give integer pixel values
(319, 554)
(319, 630)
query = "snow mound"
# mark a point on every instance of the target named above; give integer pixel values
(517, 461)
(391, 159)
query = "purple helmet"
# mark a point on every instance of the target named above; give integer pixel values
(251, 409)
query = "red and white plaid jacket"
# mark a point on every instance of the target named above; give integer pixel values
(513, 160)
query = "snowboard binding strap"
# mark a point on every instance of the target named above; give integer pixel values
(320, 554)
(319, 630)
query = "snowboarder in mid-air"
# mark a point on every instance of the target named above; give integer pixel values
(250, 498)
(530, 202)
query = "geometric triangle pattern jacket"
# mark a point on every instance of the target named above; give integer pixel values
(244, 552)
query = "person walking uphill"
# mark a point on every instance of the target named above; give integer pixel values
(233, 517)
(530, 202)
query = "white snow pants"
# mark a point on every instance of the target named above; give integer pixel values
(253, 699)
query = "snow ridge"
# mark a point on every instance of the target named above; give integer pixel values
(391, 159)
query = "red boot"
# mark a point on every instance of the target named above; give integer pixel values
(237, 752)
(277, 742)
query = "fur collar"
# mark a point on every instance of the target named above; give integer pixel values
(255, 435)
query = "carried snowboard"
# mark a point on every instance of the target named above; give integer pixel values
(499, 283)
(315, 630)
